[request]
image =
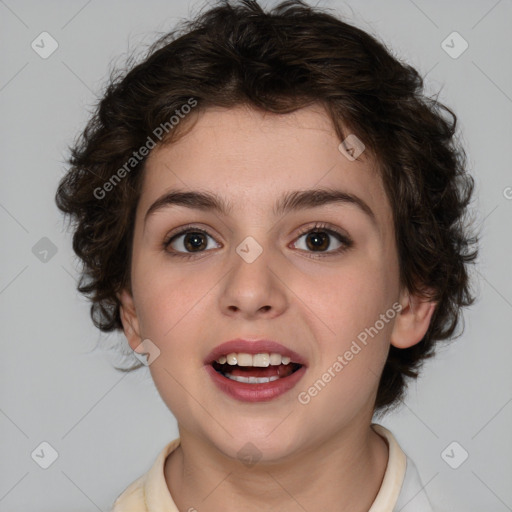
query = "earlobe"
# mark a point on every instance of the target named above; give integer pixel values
(413, 320)
(129, 319)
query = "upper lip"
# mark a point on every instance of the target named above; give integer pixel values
(253, 347)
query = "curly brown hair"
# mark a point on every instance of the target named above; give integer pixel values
(280, 61)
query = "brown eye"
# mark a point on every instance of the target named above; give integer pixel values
(319, 239)
(189, 241)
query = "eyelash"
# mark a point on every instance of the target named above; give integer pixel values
(317, 227)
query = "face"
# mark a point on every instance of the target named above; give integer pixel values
(311, 276)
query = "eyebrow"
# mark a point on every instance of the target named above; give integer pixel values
(291, 201)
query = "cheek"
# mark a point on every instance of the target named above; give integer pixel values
(351, 297)
(162, 296)
(353, 336)
(173, 306)
(357, 309)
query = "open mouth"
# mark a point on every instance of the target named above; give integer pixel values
(250, 374)
(255, 377)
(254, 371)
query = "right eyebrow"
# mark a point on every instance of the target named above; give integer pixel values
(197, 200)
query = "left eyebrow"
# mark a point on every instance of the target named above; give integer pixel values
(314, 198)
(291, 201)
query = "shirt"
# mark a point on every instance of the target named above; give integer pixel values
(401, 489)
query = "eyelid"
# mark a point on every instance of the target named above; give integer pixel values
(325, 226)
(183, 230)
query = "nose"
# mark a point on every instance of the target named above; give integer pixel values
(253, 290)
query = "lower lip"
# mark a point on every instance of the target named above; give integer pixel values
(255, 392)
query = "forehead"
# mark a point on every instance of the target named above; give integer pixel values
(250, 158)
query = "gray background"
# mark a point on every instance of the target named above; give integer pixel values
(107, 427)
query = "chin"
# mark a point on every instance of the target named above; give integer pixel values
(253, 447)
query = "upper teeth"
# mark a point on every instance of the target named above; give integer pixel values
(263, 359)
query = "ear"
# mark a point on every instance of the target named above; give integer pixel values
(129, 319)
(413, 321)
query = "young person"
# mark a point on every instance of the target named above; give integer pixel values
(274, 213)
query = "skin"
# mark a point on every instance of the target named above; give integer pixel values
(312, 304)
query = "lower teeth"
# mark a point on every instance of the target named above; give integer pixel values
(251, 380)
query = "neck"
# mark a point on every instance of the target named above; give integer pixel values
(343, 474)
